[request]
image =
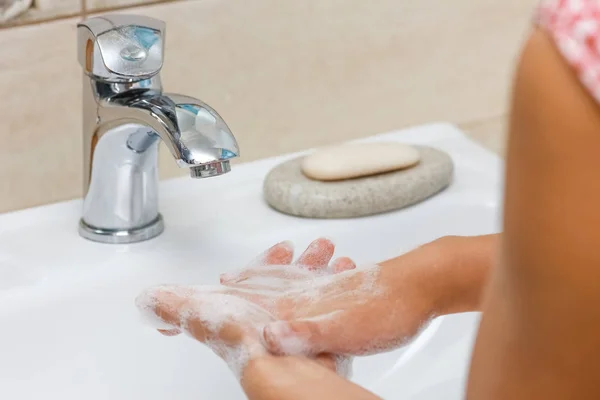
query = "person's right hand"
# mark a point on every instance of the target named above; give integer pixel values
(356, 312)
(229, 320)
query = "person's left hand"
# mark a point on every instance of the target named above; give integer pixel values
(230, 320)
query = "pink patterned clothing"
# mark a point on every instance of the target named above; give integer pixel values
(574, 26)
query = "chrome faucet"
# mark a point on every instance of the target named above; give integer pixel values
(125, 114)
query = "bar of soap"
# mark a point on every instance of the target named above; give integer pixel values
(358, 159)
(288, 190)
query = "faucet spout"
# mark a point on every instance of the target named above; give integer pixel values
(125, 116)
(192, 131)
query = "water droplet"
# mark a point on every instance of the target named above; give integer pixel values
(133, 53)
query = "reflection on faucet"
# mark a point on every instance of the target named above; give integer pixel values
(125, 114)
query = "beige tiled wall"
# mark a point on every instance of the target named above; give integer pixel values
(93, 5)
(48, 10)
(286, 75)
(42, 10)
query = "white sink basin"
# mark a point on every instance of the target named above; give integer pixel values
(69, 328)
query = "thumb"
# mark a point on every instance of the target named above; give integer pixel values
(304, 337)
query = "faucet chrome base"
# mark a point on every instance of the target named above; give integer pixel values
(126, 115)
(118, 236)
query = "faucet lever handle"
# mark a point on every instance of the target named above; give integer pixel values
(121, 48)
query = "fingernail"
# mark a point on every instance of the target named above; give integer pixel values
(269, 341)
(228, 277)
(271, 332)
(279, 328)
(325, 239)
(288, 244)
(169, 332)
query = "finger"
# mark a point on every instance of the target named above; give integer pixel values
(269, 273)
(165, 306)
(342, 264)
(169, 332)
(280, 254)
(292, 338)
(310, 337)
(196, 310)
(317, 255)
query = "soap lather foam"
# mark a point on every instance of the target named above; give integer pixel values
(213, 310)
(215, 306)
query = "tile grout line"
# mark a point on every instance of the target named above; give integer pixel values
(84, 12)
(19, 24)
(130, 6)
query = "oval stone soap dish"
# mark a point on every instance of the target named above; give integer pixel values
(288, 190)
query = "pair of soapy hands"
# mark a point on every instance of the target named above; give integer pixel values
(310, 307)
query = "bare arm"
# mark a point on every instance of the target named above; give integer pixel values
(540, 333)
(452, 271)
(297, 378)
